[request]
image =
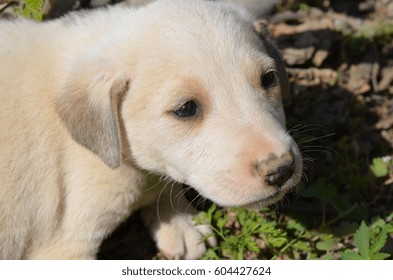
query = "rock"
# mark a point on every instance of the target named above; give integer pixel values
(387, 135)
(384, 123)
(319, 57)
(308, 41)
(313, 76)
(359, 78)
(387, 79)
(294, 56)
(384, 8)
(323, 47)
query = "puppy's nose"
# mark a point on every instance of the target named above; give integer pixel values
(280, 170)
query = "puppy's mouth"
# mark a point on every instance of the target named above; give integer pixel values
(195, 198)
(266, 201)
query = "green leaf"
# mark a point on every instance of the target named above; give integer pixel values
(341, 204)
(210, 255)
(26, 13)
(380, 241)
(38, 16)
(321, 190)
(362, 240)
(221, 222)
(345, 228)
(241, 216)
(31, 9)
(302, 246)
(350, 255)
(250, 227)
(379, 167)
(326, 245)
(217, 215)
(251, 245)
(295, 225)
(327, 257)
(34, 5)
(267, 228)
(380, 256)
(276, 242)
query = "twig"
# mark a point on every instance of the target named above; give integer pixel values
(375, 69)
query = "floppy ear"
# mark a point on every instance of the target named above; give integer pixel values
(89, 107)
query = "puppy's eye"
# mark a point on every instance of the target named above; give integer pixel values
(268, 80)
(188, 109)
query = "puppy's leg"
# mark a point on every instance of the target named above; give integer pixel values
(94, 205)
(61, 248)
(172, 227)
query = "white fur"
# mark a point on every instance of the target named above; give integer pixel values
(86, 116)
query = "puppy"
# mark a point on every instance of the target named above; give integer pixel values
(96, 107)
(257, 7)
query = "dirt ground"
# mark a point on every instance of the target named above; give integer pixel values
(339, 57)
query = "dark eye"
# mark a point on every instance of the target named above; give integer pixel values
(187, 110)
(268, 79)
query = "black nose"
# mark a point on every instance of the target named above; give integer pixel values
(278, 176)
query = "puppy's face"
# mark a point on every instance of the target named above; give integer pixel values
(197, 98)
(206, 111)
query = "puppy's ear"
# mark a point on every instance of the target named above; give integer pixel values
(89, 106)
(261, 28)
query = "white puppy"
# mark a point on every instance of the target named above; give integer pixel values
(93, 103)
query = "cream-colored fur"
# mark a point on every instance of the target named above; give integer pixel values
(87, 119)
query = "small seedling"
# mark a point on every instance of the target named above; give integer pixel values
(30, 9)
(368, 242)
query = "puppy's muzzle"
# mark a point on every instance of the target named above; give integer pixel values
(276, 171)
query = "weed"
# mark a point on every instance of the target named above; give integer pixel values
(382, 166)
(259, 236)
(368, 242)
(30, 9)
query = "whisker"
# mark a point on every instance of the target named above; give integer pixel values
(316, 151)
(304, 175)
(200, 201)
(182, 192)
(316, 138)
(125, 159)
(305, 129)
(307, 159)
(191, 202)
(308, 149)
(155, 185)
(171, 201)
(158, 201)
(316, 147)
(294, 129)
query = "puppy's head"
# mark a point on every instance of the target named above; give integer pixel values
(200, 102)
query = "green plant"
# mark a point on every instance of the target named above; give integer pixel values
(304, 7)
(30, 9)
(250, 234)
(381, 31)
(368, 242)
(382, 166)
(358, 42)
(252, 228)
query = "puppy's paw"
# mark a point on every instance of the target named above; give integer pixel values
(173, 229)
(180, 238)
